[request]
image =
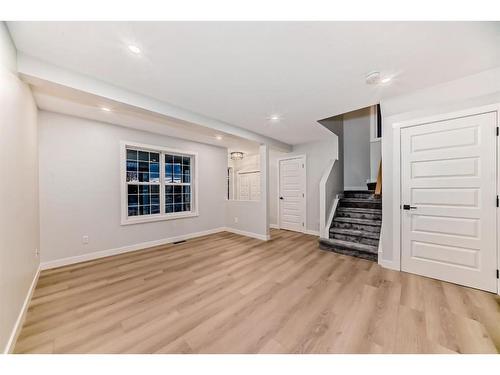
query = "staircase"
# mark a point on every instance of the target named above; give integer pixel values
(355, 229)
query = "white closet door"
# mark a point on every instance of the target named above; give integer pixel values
(254, 186)
(448, 175)
(243, 187)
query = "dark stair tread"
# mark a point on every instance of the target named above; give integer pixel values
(361, 210)
(351, 253)
(360, 191)
(353, 246)
(358, 221)
(356, 233)
(361, 200)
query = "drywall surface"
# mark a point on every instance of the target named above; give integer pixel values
(249, 163)
(318, 154)
(252, 217)
(19, 229)
(356, 149)
(80, 187)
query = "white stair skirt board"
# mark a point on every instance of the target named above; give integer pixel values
(9, 348)
(143, 245)
(326, 229)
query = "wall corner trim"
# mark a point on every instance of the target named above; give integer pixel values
(388, 264)
(9, 348)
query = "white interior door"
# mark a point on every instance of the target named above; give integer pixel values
(448, 181)
(249, 186)
(243, 187)
(254, 179)
(292, 182)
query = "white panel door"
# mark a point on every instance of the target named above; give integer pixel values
(254, 186)
(448, 181)
(249, 186)
(243, 187)
(292, 194)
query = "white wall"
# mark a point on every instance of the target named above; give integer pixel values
(318, 155)
(80, 185)
(356, 149)
(19, 230)
(252, 217)
(471, 91)
(248, 163)
(334, 178)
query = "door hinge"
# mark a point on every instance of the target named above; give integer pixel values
(302, 224)
(498, 201)
(498, 274)
(498, 131)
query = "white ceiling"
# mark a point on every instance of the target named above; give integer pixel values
(56, 98)
(242, 72)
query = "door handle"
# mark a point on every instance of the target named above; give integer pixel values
(408, 207)
(282, 198)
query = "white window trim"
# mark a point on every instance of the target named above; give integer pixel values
(125, 220)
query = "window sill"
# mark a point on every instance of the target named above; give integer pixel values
(163, 217)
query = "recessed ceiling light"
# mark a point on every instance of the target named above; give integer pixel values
(218, 137)
(274, 117)
(105, 109)
(134, 49)
(374, 78)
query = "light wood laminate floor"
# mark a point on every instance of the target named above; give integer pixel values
(225, 293)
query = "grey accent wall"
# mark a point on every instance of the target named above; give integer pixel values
(356, 149)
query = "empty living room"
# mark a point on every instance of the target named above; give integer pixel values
(261, 185)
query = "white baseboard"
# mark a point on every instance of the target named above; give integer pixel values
(143, 245)
(388, 264)
(125, 249)
(9, 348)
(248, 234)
(307, 231)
